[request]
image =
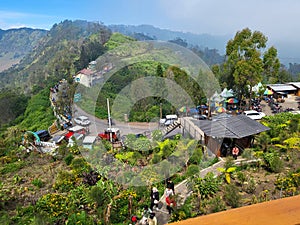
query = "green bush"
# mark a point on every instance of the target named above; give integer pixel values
(250, 186)
(79, 165)
(64, 181)
(38, 183)
(156, 158)
(68, 159)
(80, 219)
(12, 167)
(192, 170)
(273, 161)
(217, 204)
(206, 186)
(196, 156)
(232, 196)
(241, 176)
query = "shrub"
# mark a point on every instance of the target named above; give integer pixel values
(79, 219)
(250, 186)
(232, 195)
(206, 186)
(192, 170)
(217, 204)
(241, 177)
(156, 158)
(12, 167)
(196, 156)
(273, 162)
(79, 165)
(68, 159)
(53, 204)
(64, 181)
(38, 183)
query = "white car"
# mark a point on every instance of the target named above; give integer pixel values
(254, 114)
(82, 120)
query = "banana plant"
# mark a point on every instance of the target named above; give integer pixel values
(227, 173)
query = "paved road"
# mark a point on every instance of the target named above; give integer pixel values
(99, 125)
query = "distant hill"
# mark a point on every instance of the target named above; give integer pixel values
(16, 43)
(202, 40)
(63, 50)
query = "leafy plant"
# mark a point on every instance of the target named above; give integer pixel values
(68, 159)
(80, 165)
(206, 186)
(192, 170)
(273, 161)
(217, 204)
(227, 173)
(38, 183)
(232, 195)
(65, 181)
(80, 218)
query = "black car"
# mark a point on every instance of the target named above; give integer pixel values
(43, 135)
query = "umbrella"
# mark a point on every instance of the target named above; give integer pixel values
(268, 92)
(232, 100)
(182, 109)
(220, 109)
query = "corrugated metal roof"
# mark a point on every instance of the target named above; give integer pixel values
(282, 87)
(231, 127)
(295, 84)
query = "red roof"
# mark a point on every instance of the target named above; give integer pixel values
(87, 72)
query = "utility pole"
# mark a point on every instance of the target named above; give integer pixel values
(109, 120)
(160, 110)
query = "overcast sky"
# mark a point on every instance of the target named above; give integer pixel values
(277, 19)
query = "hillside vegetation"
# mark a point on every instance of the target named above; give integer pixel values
(16, 43)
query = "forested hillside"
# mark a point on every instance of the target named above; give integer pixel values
(68, 47)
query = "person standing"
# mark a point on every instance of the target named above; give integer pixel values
(152, 219)
(170, 185)
(154, 196)
(170, 200)
(235, 152)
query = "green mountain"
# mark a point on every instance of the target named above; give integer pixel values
(66, 48)
(16, 43)
(209, 47)
(202, 40)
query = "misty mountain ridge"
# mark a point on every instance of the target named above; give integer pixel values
(201, 40)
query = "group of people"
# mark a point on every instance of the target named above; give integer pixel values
(148, 217)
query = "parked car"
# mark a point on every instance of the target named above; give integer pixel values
(82, 120)
(254, 114)
(200, 117)
(43, 135)
(113, 133)
(168, 120)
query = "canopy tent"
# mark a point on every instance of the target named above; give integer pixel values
(232, 101)
(227, 93)
(183, 109)
(193, 110)
(220, 109)
(257, 87)
(268, 92)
